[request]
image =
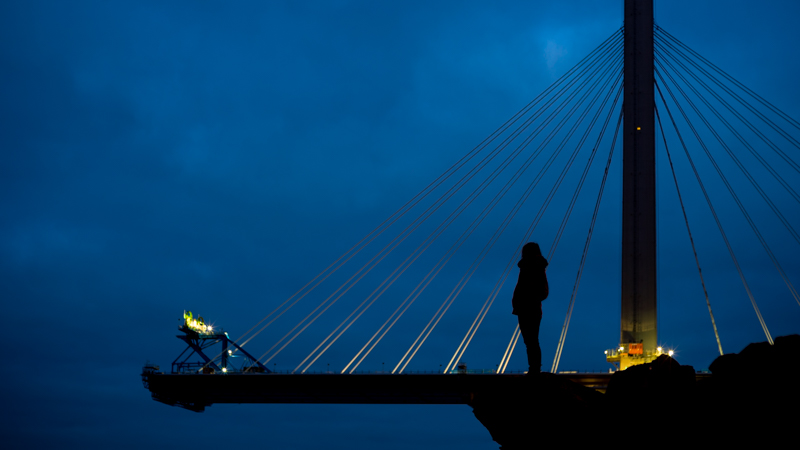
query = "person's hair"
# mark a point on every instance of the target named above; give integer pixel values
(531, 249)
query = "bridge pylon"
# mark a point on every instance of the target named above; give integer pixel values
(638, 323)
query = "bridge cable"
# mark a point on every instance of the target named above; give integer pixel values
(562, 227)
(484, 311)
(420, 249)
(405, 233)
(752, 224)
(393, 244)
(609, 45)
(740, 85)
(490, 300)
(389, 247)
(565, 327)
(663, 44)
(501, 368)
(705, 193)
(393, 277)
(770, 203)
(456, 291)
(732, 129)
(432, 186)
(689, 231)
(443, 305)
(423, 284)
(472, 331)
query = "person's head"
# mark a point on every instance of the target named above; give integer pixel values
(530, 250)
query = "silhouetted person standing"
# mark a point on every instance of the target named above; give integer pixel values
(527, 301)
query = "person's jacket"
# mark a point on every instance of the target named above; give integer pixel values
(531, 287)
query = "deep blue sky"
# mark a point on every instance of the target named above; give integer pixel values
(215, 156)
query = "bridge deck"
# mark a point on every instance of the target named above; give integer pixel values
(195, 391)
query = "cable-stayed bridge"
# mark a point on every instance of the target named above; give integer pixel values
(545, 175)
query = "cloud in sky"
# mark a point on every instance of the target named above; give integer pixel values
(553, 53)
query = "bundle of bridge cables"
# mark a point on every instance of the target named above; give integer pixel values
(467, 226)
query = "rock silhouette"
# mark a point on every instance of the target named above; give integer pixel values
(752, 395)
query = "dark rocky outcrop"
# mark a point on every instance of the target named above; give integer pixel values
(752, 395)
(543, 407)
(663, 381)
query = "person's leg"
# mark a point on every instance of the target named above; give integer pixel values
(529, 329)
(534, 350)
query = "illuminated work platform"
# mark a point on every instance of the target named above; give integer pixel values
(633, 355)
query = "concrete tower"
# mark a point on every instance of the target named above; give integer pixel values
(638, 324)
